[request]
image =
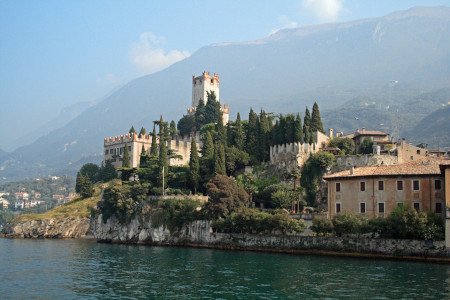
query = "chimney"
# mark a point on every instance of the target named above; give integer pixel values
(363, 129)
(352, 170)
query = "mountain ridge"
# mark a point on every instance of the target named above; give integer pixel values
(284, 74)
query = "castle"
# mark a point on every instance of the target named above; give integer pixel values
(113, 147)
(203, 84)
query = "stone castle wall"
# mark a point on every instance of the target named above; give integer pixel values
(348, 161)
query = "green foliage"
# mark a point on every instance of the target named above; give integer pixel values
(219, 159)
(142, 132)
(225, 196)
(316, 121)
(346, 145)
(194, 167)
(173, 129)
(91, 171)
(199, 116)
(107, 172)
(126, 157)
(264, 134)
(238, 133)
(307, 126)
(186, 125)
(84, 186)
(254, 221)
(212, 109)
(298, 129)
(123, 201)
(154, 144)
(313, 170)
(132, 130)
(174, 213)
(235, 159)
(347, 223)
(252, 136)
(322, 226)
(366, 147)
(279, 195)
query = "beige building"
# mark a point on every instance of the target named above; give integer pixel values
(375, 191)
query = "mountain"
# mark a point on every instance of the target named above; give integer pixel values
(434, 129)
(333, 64)
(65, 116)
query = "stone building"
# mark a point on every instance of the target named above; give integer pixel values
(203, 84)
(114, 147)
(293, 155)
(375, 191)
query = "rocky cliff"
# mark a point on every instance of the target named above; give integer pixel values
(71, 227)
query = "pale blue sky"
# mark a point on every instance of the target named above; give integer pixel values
(56, 53)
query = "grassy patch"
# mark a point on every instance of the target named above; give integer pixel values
(76, 208)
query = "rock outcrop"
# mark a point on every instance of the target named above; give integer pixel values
(70, 227)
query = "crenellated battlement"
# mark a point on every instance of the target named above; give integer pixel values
(125, 138)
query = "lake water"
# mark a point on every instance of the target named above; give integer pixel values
(68, 269)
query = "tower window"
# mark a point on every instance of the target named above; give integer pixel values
(362, 186)
(437, 184)
(399, 185)
(381, 208)
(381, 185)
(362, 207)
(438, 209)
(338, 186)
(338, 208)
(416, 185)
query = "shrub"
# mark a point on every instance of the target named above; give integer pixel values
(254, 221)
(322, 226)
(174, 213)
(347, 223)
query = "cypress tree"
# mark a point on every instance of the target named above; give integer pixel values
(200, 115)
(154, 145)
(173, 129)
(264, 136)
(143, 158)
(316, 121)
(219, 159)
(163, 152)
(252, 134)
(132, 130)
(298, 134)
(282, 129)
(142, 132)
(207, 158)
(212, 108)
(194, 167)
(239, 133)
(230, 134)
(126, 157)
(307, 126)
(289, 132)
(221, 131)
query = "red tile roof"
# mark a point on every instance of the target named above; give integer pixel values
(413, 168)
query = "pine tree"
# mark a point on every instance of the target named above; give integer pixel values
(126, 157)
(194, 167)
(221, 131)
(173, 129)
(107, 172)
(316, 121)
(200, 115)
(132, 130)
(142, 132)
(239, 133)
(84, 186)
(252, 135)
(307, 126)
(298, 130)
(212, 108)
(219, 159)
(154, 145)
(289, 132)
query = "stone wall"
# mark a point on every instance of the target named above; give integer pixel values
(200, 234)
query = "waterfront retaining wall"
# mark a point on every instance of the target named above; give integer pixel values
(200, 234)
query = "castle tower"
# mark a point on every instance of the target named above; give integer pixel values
(202, 84)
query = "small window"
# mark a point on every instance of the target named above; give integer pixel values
(438, 209)
(437, 184)
(418, 152)
(399, 185)
(362, 186)
(110, 151)
(381, 185)
(338, 208)
(362, 207)
(106, 152)
(338, 186)
(416, 206)
(381, 208)
(416, 185)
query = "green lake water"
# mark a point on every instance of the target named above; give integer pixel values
(70, 269)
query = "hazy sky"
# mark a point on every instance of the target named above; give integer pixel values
(56, 53)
